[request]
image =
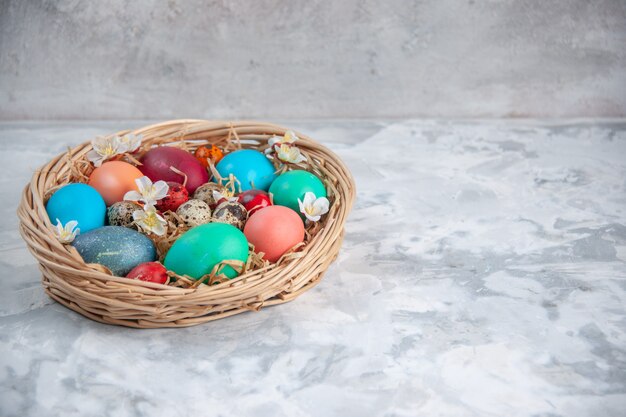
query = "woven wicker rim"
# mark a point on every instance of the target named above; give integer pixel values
(97, 295)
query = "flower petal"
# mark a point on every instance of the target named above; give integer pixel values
(94, 157)
(312, 218)
(144, 183)
(133, 196)
(160, 189)
(290, 137)
(309, 198)
(321, 205)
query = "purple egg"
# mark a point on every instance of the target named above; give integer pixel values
(157, 162)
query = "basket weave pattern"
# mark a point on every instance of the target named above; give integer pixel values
(92, 292)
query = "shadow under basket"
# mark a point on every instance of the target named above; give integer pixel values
(93, 292)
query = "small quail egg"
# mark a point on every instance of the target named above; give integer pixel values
(205, 193)
(194, 212)
(121, 214)
(231, 212)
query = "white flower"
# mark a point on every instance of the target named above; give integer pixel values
(130, 143)
(67, 233)
(150, 221)
(148, 193)
(287, 153)
(107, 147)
(289, 139)
(104, 148)
(313, 208)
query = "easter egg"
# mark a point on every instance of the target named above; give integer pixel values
(176, 195)
(150, 272)
(194, 213)
(274, 230)
(293, 185)
(205, 193)
(79, 202)
(114, 179)
(197, 251)
(254, 200)
(231, 212)
(157, 163)
(250, 167)
(118, 248)
(121, 214)
(205, 154)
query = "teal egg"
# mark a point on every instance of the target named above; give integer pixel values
(197, 251)
(293, 185)
(118, 248)
(80, 202)
(250, 167)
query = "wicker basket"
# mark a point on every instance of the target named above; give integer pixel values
(92, 292)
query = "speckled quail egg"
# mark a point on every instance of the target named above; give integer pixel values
(121, 214)
(205, 193)
(194, 212)
(231, 212)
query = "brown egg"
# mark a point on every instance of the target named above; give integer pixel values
(231, 212)
(114, 179)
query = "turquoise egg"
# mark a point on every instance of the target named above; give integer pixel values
(250, 167)
(293, 185)
(197, 251)
(80, 202)
(118, 248)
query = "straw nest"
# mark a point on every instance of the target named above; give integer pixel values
(94, 292)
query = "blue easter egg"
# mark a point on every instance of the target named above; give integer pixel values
(250, 167)
(118, 248)
(80, 202)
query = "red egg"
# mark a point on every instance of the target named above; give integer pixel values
(254, 200)
(176, 195)
(150, 272)
(274, 230)
(157, 163)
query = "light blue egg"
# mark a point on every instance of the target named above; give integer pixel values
(118, 248)
(251, 168)
(80, 202)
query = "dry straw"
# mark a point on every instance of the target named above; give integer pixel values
(92, 291)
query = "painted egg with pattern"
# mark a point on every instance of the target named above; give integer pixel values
(176, 195)
(118, 248)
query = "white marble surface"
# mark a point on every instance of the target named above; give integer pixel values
(483, 274)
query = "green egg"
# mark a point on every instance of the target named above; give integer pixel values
(293, 185)
(197, 251)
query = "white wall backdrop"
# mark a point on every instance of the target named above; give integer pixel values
(71, 59)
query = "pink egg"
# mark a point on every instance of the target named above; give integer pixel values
(274, 230)
(157, 162)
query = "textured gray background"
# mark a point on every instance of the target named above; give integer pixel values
(312, 58)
